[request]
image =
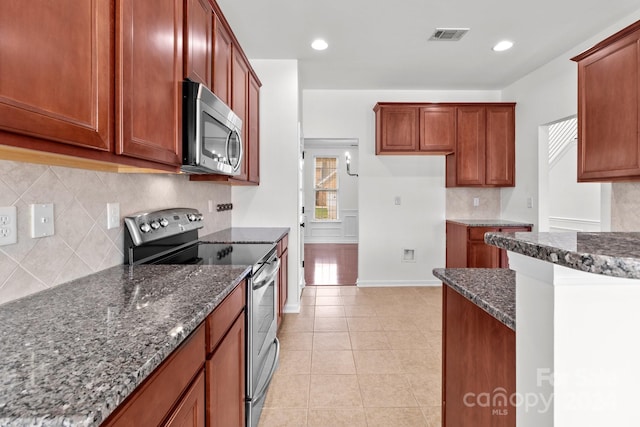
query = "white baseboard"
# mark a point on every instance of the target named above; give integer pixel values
(396, 283)
(291, 308)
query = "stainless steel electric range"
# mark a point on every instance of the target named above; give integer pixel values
(170, 236)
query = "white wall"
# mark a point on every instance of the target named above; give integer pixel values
(572, 205)
(274, 203)
(543, 96)
(386, 229)
(345, 229)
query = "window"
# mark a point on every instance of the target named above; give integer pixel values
(326, 188)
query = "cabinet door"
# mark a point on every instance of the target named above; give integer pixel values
(239, 91)
(226, 381)
(437, 129)
(608, 113)
(504, 258)
(283, 284)
(470, 147)
(149, 80)
(253, 156)
(397, 130)
(221, 61)
(481, 255)
(197, 42)
(500, 146)
(190, 410)
(55, 70)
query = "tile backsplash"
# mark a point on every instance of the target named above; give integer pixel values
(82, 244)
(459, 203)
(625, 206)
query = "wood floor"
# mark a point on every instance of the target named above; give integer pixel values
(330, 264)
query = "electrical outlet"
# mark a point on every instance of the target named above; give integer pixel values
(530, 202)
(113, 215)
(8, 225)
(210, 206)
(397, 200)
(476, 202)
(42, 220)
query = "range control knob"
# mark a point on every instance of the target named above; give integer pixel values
(191, 217)
(145, 228)
(200, 216)
(164, 222)
(155, 225)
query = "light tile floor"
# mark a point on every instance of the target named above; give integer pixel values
(359, 357)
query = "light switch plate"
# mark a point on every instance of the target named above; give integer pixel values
(42, 220)
(8, 225)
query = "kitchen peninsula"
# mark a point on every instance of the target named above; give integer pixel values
(577, 313)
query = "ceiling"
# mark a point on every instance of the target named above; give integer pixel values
(383, 45)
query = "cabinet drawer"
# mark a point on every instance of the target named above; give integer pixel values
(477, 233)
(149, 404)
(219, 322)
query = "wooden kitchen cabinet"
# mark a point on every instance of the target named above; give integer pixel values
(478, 358)
(198, 33)
(149, 80)
(161, 398)
(609, 108)
(465, 246)
(485, 147)
(397, 129)
(221, 61)
(57, 79)
(235, 83)
(226, 359)
(437, 128)
(283, 275)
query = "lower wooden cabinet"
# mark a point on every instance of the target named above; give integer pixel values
(225, 371)
(190, 409)
(466, 247)
(478, 366)
(152, 403)
(202, 382)
(283, 277)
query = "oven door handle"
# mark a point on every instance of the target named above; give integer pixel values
(270, 275)
(263, 390)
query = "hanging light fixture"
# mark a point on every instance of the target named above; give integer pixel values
(347, 157)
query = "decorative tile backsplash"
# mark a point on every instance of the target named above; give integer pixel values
(82, 244)
(625, 206)
(460, 203)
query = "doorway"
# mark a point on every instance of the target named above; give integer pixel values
(331, 203)
(565, 204)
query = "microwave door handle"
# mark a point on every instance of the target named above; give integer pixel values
(241, 149)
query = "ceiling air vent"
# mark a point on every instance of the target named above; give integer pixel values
(448, 34)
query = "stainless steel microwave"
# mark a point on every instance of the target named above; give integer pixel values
(211, 133)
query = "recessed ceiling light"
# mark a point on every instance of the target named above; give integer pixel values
(502, 46)
(319, 44)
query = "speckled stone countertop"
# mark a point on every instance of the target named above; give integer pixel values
(490, 223)
(492, 289)
(611, 254)
(247, 235)
(71, 354)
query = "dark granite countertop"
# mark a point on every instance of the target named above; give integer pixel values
(247, 235)
(71, 354)
(491, 289)
(490, 223)
(612, 254)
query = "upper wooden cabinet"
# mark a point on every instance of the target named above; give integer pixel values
(149, 80)
(221, 61)
(253, 134)
(397, 129)
(609, 108)
(414, 128)
(56, 71)
(437, 129)
(485, 147)
(198, 33)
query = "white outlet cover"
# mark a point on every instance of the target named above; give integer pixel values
(8, 225)
(42, 220)
(113, 215)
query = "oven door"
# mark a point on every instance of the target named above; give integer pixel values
(263, 347)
